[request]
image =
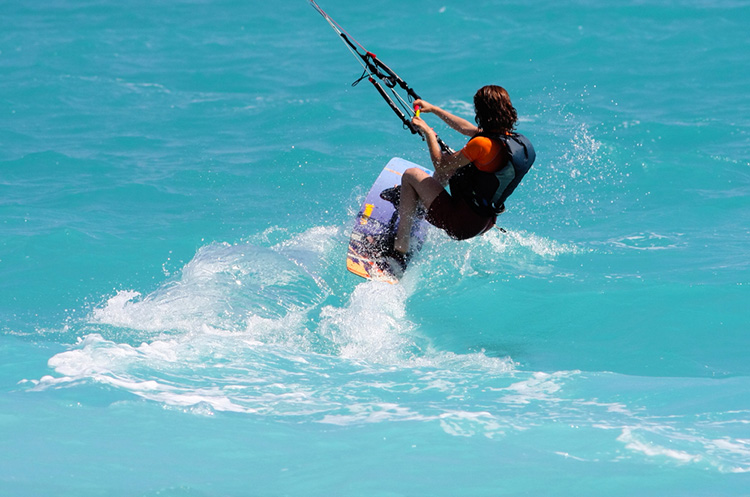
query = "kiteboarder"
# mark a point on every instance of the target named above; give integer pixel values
(480, 176)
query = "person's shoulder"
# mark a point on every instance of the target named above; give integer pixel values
(481, 140)
(479, 143)
(477, 148)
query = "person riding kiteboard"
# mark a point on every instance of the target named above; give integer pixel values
(480, 176)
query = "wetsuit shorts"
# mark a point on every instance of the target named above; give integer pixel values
(457, 218)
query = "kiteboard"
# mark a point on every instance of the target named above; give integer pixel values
(375, 226)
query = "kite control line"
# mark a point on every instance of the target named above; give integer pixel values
(376, 72)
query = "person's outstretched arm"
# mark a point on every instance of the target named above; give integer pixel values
(458, 123)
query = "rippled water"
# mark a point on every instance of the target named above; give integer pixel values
(177, 186)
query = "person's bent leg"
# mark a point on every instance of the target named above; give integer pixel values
(416, 185)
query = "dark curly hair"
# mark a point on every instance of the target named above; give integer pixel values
(494, 110)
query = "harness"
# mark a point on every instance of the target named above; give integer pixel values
(486, 192)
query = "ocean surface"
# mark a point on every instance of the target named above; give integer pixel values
(178, 181)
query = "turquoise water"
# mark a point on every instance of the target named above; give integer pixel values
(177, 185)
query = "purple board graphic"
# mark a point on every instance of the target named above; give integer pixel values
(375, 227)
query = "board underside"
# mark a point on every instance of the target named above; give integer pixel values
(375, 227)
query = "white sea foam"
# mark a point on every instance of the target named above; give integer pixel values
(224, 286)
(633, 442)
(373, 413)
(373, 326)
(650, 241)
(468, 424)
(496, 254)
(232, 332)
(289, 346)
(220, 371)
(540, 386)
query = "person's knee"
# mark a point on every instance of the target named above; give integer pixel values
(422, 183)
(414, 174)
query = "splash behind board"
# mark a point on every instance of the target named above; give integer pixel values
(375, 227)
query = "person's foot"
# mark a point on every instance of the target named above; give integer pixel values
(397, 262)
(392, 195)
